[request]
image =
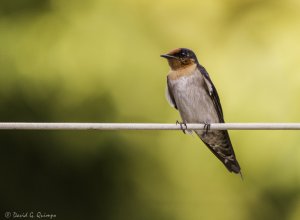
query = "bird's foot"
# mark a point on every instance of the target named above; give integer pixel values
(206, 128)
(181, 126)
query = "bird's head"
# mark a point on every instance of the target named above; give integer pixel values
(180, 58)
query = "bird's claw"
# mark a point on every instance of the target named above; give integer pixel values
(206, 128)
(181, 126)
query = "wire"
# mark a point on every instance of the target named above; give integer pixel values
(145, 126)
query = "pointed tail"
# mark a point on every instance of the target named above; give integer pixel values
(220, 145)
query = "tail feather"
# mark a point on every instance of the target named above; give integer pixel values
(218, 142)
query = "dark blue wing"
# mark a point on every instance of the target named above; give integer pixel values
(212, 92)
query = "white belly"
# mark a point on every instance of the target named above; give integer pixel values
(192, 99)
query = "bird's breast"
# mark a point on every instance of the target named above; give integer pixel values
(192, 98)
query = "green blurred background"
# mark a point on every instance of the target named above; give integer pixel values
(98, 61)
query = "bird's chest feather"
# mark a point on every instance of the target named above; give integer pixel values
(186, 82)
(189, 89)
(192, 98)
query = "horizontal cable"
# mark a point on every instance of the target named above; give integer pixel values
(145, 126)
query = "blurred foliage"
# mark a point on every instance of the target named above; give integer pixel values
(98, 61)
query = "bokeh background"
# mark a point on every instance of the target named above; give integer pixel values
(98, 61)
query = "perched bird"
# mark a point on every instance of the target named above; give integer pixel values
(191, 91)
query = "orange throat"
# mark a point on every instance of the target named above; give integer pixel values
(176, 73)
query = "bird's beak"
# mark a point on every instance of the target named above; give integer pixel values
(168, 56)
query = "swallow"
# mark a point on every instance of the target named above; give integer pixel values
(191, 91)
